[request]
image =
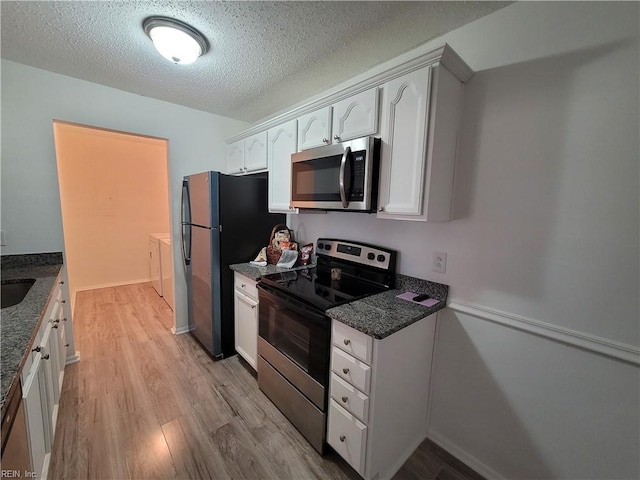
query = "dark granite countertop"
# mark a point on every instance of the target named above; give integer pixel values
(384, 314)
(254, 272)
(19, 323)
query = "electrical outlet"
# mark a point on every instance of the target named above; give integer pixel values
(439, 262)
(2, 239)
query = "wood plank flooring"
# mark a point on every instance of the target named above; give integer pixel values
(144, 403)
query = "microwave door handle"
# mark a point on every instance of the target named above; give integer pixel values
(343, 164)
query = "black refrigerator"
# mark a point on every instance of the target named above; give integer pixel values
(225, 220)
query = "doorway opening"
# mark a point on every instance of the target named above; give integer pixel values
(114, 196)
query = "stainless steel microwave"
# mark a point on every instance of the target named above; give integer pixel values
(343, 176)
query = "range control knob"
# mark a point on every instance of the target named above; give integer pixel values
(381, 258)
(320, 245)
(327, 246)
(370, 256)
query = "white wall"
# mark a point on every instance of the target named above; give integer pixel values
(33, 98)
(546, 235)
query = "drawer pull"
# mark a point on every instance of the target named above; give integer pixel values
(63, 301)
(345, 399)
(37, 349)
(342, 438)
(345, 371)
(45, 357)
(346, 341)
(66, 344)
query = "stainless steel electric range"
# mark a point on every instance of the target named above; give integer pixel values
(295, 333)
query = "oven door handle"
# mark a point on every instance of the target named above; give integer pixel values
(312, 314)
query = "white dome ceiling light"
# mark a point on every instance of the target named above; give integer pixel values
(176, 41)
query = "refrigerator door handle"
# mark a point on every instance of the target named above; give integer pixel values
(185, 211)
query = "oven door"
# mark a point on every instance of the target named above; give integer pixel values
(300, 334)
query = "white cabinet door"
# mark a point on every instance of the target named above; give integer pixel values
(49, 377)
(356, 116)
(246, 328)
(406, 104)
(235, 157)
(421, 118)
(282, 142)
(72, 355)
(255, 152)
(314, 129)
(34, 398)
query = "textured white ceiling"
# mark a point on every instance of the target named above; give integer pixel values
(264, 56)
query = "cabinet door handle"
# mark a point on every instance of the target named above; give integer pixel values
(66, 344)
(345, 399)
(37, 349)
(345, 371)
(63, 301)
(243, 285)
(342, 438)
(325, 140)
(45, 357)
(336, 137)
(61, 282)
(346, 341)
(55, 326)
(381, 209)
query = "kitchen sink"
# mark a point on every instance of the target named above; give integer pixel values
(13, 292)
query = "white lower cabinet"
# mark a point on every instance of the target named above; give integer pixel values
(246, 318)
(42, 377)
(34, 398)
(378, 396)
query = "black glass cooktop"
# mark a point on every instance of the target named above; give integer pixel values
(316, 286)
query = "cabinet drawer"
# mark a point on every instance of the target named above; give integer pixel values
(246, 285)
(347, 435)
(352, 341)
(351, 369)
(349, 397)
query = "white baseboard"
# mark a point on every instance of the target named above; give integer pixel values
(112, 284)
(592, 343)
(179, 331)
(73, 358)
(469, 460)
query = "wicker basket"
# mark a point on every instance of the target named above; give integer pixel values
(273, 253)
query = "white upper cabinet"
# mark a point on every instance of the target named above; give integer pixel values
(414, 107)
(420, 116)
(314, 129)
(235, 157)
(248, 155)
(353, 117)
(281, 143)
(255, 152)
(356, 116)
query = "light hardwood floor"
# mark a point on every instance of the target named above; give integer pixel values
(144, 403)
